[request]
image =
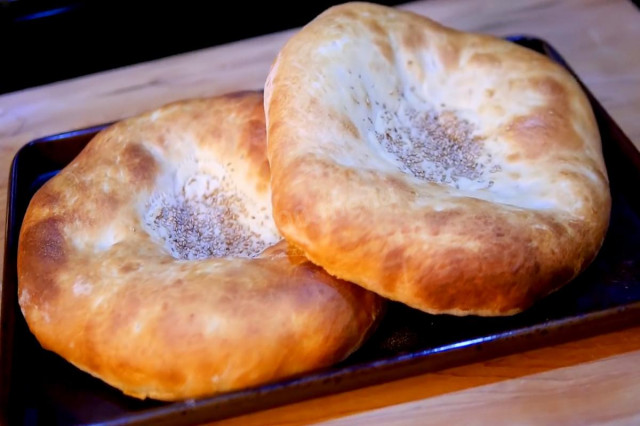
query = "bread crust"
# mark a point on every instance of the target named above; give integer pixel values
(512, 200)
(99, 288)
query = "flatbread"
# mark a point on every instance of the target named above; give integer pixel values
(455, 172)
(152, 261)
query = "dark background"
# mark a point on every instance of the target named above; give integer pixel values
(43, 41)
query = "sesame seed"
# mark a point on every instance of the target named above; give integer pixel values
(203, 226)
(439, 148)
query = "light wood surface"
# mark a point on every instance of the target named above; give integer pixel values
(590, 381)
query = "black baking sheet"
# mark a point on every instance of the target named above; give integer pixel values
(38, 387)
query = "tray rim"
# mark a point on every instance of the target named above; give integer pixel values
(411, 364)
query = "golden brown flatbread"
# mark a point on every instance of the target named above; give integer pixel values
(152, 261)
(457, 173)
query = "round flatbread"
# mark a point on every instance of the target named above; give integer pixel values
(152, 261)
(457, 173)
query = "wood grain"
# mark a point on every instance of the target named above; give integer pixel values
(567, 396)
(588, 381)
(529, 368)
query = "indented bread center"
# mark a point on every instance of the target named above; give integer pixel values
(205, 219)
(439, 148)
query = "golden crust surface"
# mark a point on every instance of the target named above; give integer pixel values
(457, 173)
(100, 284)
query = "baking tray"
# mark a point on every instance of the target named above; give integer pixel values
(40, 387)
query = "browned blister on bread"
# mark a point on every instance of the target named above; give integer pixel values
(152, 261)
(454, 172)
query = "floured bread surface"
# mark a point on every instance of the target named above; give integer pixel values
(457, 173)
(152, 261)
(208, 218)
